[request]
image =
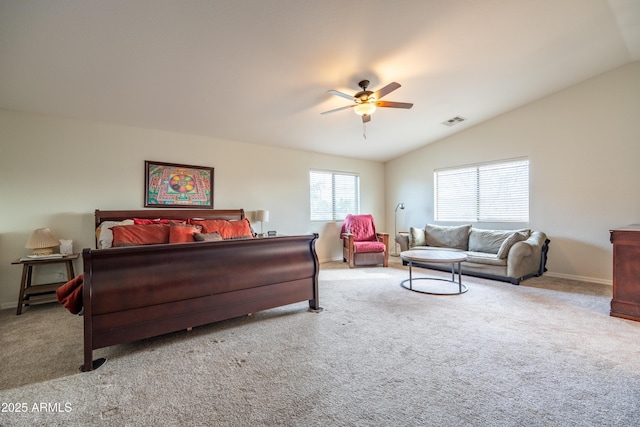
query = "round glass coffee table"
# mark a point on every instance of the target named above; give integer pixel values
(416, 257)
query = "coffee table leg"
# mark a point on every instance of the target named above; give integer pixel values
(459, 278)
(453, 271)
(410, 276)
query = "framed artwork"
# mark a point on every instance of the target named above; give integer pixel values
(170, 185)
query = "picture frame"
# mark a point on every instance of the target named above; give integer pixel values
(172, 185)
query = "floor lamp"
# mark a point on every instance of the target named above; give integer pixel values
(395, 228)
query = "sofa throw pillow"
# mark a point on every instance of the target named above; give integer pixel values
(455, 237)
(487, 241)
(515, 237)
(417, 237)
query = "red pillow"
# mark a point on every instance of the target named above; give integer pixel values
(144, 221)
(131, 235)
(182, 233)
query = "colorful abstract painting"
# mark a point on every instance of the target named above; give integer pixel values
(178, 186)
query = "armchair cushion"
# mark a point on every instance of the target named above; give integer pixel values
(362, 247)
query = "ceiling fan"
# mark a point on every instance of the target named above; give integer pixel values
(366, 101)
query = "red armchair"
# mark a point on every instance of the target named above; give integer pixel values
(361, 244)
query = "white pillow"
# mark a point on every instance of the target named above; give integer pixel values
(515, 237)
(105, 235)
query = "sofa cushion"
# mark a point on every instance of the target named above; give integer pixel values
(485, 258)
(488, 241)
(515, 237)
(456, 237)
(417, 237)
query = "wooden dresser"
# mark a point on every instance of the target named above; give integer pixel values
(626, 272)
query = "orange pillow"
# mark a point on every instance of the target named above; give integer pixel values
(182, 233)
(209, 225)
(227, 229)
(237, 229)
(131, 235)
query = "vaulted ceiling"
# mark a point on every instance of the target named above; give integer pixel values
(258, 71)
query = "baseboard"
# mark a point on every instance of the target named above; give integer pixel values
(7, 305)
(322, 260)
(608, 282)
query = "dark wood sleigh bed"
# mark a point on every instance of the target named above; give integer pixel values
(136, 292)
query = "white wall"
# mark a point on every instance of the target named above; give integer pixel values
(584, 149)
(55, 172)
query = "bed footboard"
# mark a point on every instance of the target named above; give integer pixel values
(139, 292)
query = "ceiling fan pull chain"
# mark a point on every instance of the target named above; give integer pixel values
(364, 130)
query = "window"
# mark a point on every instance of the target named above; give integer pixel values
(333, 195)
(491, 192)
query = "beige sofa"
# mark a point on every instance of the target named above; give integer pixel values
(506, 255)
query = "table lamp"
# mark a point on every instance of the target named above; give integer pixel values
(42, 241)
(262, 216)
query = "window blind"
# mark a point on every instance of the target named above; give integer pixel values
(491, 192)
(333, 195)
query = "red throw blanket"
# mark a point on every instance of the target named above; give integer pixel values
(70, 294)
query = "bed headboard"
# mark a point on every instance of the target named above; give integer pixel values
(177, 214)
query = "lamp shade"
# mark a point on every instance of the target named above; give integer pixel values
(262, 216)
(42, 241)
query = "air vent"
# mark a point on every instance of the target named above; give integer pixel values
(454, 121)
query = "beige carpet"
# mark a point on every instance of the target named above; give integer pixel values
(545, 353)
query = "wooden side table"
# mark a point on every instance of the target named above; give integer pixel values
(626, 272)
(44, 292)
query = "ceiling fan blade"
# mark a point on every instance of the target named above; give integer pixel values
(389, 104)
(339, 109)
(386, 90)
(366, 118)
(342, 94)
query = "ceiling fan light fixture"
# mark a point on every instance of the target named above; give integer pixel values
(364, 108)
